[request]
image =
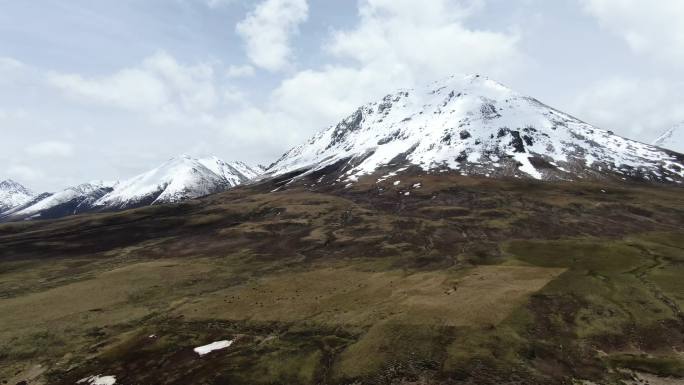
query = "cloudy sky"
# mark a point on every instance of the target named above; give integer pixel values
(106, 89)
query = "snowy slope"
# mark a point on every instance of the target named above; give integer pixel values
(178, 179)
(235, 172)
(13, 194)
(475, 126)
(250, 172)
(672, 139)
(72, 200)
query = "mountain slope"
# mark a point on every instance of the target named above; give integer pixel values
(13, 194)
(250, 172)
(72, 200)
(176, 180)
(672, 139)
(480, 281)
(474, 126)
(234, 172)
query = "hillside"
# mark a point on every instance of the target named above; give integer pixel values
(417, 279)
(458, 234)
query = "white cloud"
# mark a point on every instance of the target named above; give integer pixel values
(416, 44)
(637, 108)
(160, 87)
(397, 43)
(425, 40)
(650, 28)
(218, 3)
(10, 70)
(24, 173)
(268, 29)
(240, 71)
(133, 88)
(320, 98)
(182, 99)
(10, 64)
(51, 148)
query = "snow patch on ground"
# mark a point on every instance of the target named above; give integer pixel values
(526, 166)
(218, 345)
(98, 380)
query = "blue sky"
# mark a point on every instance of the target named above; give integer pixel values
(104, 90)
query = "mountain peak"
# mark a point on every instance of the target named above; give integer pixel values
(179, 178)
(9, 184)
(473, 125)
(13, 194)
(71, 200)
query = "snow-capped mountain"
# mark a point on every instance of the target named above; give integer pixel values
(672, 139)
(178, 179)
(235, 172)
(474, 126)
(13, 194)
(72, 200)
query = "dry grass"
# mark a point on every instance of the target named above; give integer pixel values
(67, 319)
(345, 296)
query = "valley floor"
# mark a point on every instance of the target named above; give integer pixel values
(431, 280)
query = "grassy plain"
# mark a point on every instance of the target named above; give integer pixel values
(464, 280)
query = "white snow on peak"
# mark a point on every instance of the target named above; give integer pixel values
(235, 172)
(476, 126)
(218, 345)
(672, 139)
(249, 171)
(80, 192)
(177, 179)
(13, 194)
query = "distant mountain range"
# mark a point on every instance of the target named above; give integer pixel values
(177, 179)
(468, 125)
(473, 126)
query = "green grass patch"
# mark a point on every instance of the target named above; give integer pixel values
(598, 256)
